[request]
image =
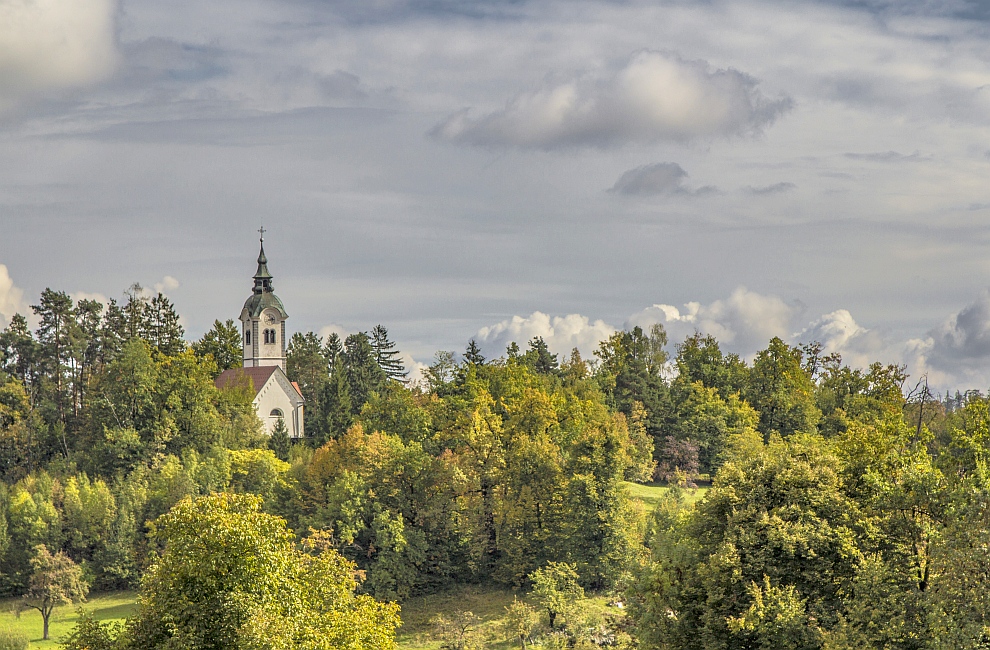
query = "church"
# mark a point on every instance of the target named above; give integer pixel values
(263, 344)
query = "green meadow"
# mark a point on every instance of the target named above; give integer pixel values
(105, 607)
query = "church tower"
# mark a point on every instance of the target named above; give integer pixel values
(263, 320)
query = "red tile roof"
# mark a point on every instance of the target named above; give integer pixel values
(240, 376)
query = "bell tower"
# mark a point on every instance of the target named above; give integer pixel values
(263, 320)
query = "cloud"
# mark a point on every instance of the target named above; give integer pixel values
(656, 96)
(168, 283)
(659, 178)
(562, 333)
(888, 156)
(776, 188)
(745, 321)
(52, 45)
(416, 369)
(332, 328)
(962, 342)
(11, 298)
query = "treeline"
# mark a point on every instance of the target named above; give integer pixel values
(842, 513)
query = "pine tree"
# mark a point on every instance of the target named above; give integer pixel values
(279, 442)
(362, 372)
(473, 354)
(55, 334)
(539, 358)
(386, 355)
(160, 326)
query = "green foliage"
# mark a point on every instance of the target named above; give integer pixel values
(387, 357)
(91, 634)
(556, 585)
(229, 576)
(782, 392)
(55, 580)
(279, 441)
(223, 344)
(13, 640)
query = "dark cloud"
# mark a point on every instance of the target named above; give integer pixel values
(776, 188)
(963, 342)
(978, 10)
(655, 96)
(659, 178)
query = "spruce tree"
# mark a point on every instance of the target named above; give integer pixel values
(160, 326)
(386, 355)
(279, 442)
(473, 354)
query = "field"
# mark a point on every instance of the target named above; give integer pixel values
(105, 607)
(651, 493)
(487, 603)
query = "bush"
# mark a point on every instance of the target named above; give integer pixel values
(13, 640)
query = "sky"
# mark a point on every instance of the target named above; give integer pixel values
(504, 169)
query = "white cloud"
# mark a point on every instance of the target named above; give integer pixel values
(168, 283)
(561, 333)
(53, 44)
(745, 321)
(416, 369)
(332, 328)
(655, 96)
(11, 298)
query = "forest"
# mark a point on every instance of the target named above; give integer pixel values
(837, 507)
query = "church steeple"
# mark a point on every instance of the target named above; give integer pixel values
(262, 278)
(263, 319)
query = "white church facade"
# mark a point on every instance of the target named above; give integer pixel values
(263, 343)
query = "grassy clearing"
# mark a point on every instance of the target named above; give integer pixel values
(488, 603)
(104, 607)
(651, 493)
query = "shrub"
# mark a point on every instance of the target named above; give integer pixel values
(13, 640)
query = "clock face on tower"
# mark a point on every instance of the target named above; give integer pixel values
(270, 319)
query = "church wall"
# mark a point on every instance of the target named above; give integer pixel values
(272, 396)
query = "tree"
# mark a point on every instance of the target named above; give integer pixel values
(386, 355)
(538, 356)
(55, 580)
(473, 354)
(223, 343)
(781, 391)
(631, 370)
(361, 370)
(57, 315)
(519, 621)
(161, 328)
(556, 585)
(279, 441)
(230, 576)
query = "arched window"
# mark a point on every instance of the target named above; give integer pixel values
(276, 413)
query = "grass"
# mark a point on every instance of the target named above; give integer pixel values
(651, 493)
(104, 607)
(488, 603)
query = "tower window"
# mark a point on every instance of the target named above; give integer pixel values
(247, 338)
